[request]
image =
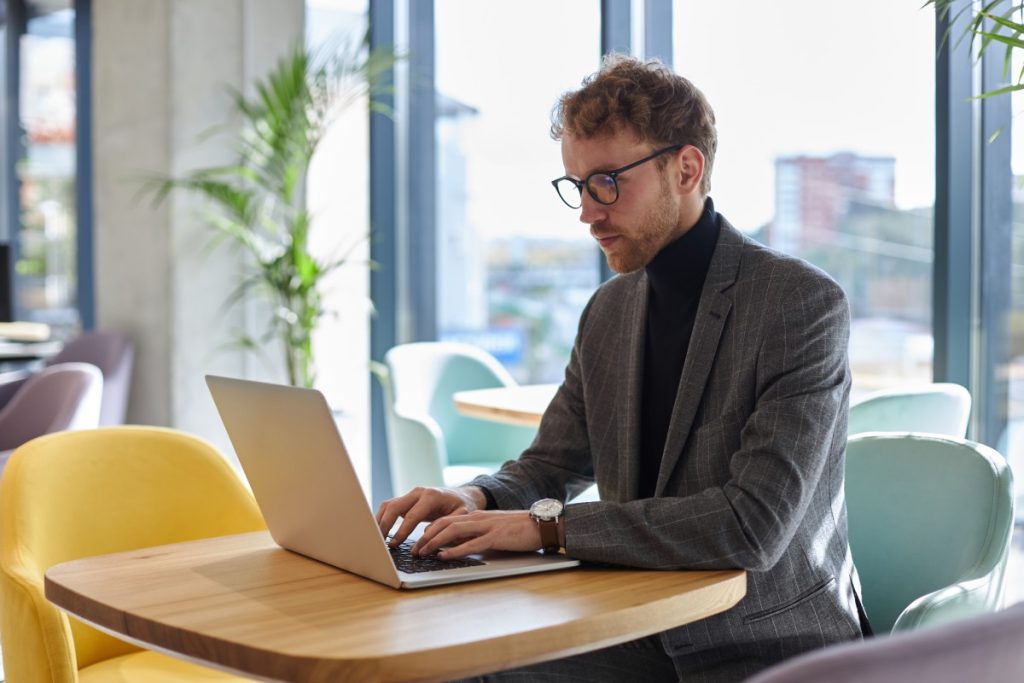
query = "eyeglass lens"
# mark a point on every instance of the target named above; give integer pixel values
(602, 188)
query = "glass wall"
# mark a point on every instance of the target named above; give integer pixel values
(514, 266)
(45, 270)
(826, 151)
(336, 193)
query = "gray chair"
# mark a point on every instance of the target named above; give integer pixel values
(60, 397)
(940, 408)
(114, 354)
(985, 649)
(930, 519)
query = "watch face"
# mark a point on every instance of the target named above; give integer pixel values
(547, 508)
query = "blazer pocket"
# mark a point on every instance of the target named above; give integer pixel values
(814, 590)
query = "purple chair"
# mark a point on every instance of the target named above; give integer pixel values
(985, 649)
(113, 353)
(57, 398)
(10, 382)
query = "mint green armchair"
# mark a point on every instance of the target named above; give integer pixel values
(429, 442)
(930, 519)
(939, 408)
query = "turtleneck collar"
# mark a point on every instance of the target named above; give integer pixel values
(681, 266)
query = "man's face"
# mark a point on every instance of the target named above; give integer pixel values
(646, 215)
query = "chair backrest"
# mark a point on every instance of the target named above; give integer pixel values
(10, 382)
(425, 375)
(985, 649)
(76, 494)
(925, 512)
(939, 408)
(113, 353)
(60, 397)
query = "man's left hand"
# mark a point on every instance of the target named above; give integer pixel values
(461, 535)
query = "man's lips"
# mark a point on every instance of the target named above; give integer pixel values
(607, 240)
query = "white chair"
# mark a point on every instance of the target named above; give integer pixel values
(429, 442)
(939, 408)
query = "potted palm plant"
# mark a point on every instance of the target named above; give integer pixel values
(258, 202)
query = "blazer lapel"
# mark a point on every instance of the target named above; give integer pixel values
(712, 312)
(630, 379)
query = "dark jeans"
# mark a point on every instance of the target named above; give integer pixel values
(637, 660)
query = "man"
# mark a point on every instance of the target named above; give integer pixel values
(707, 395)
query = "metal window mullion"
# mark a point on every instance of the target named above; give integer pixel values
(658, 30)
(85, 274)
(954, 201)
(422, 170)
(383, 241)
(616, 36)
(13, 152)
(991, 382)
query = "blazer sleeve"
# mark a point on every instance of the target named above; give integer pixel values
(558, 463)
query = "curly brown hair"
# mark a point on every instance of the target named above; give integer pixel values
(646, 97)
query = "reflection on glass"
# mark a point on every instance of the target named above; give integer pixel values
(45, 267)
(811, 161)
(515, 266)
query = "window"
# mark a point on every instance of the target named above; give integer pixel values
(42, 155)
(826, 151)
(514, 266)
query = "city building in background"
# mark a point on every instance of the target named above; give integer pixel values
(838, 211)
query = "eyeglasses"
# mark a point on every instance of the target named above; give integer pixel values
(601, 185)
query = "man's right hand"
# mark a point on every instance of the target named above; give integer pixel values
(424, 504)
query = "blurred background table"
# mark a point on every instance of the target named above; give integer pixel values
(519, 405)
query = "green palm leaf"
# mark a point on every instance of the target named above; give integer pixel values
(257, 202)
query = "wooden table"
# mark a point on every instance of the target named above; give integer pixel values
(242, 604)
(519, 405)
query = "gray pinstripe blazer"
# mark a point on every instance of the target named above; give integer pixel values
(752, 473)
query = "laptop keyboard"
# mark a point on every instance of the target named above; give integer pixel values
(405, 561)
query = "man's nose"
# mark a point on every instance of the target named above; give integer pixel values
(591, 210)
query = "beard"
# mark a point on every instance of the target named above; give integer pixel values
(655, 228)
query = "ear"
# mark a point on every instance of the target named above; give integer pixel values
(689, 161)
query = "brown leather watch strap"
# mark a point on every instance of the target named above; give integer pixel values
(549, 535)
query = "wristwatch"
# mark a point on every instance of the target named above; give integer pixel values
(546, 513)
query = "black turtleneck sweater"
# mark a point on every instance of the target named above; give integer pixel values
(675, 278)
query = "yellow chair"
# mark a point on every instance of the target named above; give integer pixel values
(75, 494)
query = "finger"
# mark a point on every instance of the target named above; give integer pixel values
(472, 546)
(382, 516)
(456, 531)
(391, 510)
(434, 528)
(421, 511)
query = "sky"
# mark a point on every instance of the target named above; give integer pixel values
(784, 77)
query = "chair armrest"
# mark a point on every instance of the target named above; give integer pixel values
(416, 451)
(963, 599)
(36, 636)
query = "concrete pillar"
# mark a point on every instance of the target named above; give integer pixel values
(161, 73)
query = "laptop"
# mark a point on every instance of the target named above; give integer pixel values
(306, 487)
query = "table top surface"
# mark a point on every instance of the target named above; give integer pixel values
(17, 350)
(522, 405)
(242, 604)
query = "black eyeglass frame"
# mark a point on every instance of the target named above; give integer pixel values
(613, 174)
